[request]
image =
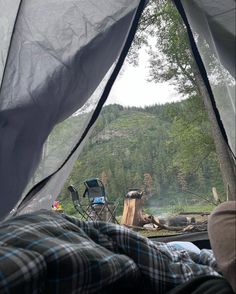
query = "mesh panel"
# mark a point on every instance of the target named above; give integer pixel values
(214, 32)
(61, 55)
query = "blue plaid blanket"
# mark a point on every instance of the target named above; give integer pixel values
(45, 252)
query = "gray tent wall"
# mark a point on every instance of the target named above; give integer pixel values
(50, 66)
(54, 56)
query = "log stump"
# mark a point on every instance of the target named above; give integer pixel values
(133, 212)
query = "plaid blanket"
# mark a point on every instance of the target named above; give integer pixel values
(45, 252)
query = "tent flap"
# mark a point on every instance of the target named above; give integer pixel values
(57, 55)
(214, 28)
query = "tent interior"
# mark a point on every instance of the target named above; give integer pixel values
(61, 122)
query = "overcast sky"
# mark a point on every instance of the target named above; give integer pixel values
(132, 89)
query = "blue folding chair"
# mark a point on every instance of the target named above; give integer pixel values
(95, 191)
(98, 207)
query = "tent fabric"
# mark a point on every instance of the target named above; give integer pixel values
(216, 21)
(42, 194)
(54, 57)
(59, 59)
(7, 23)
(214, 27)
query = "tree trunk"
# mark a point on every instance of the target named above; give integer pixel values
(226, 160)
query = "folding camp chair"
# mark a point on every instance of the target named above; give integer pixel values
(82, 209)
(97, 207)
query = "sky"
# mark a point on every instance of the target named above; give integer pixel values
(132, 88)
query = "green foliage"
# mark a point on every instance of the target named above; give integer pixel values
(153, 149)
(170, 58)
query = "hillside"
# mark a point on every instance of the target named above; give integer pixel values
(140, 148)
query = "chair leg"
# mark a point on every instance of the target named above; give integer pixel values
(112, 214)
(91, 213)
(83, 212)
(97, 213)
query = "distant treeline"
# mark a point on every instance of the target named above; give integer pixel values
(165, 150)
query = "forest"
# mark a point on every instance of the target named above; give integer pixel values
(166, 151)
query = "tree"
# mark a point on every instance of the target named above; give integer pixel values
(172, 61)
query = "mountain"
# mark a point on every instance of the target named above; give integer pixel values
(139, 148)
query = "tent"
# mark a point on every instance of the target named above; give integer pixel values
(61, 58)
(70, 54)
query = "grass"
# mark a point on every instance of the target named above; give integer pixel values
(176, 209)
(160, 233)
(156, 211)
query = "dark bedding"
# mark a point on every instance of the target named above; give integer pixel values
(45, 252)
